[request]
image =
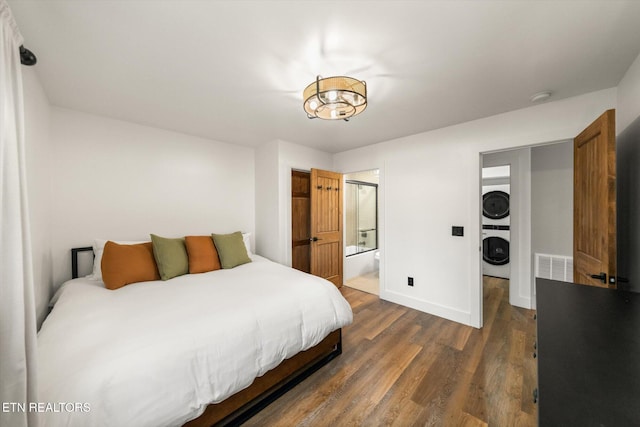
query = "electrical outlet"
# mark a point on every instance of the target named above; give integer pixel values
(410, 281)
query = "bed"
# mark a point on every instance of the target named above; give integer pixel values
(200, 349)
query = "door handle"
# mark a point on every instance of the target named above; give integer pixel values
(314, 239)
(602, 277)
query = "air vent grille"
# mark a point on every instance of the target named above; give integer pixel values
(554, 267)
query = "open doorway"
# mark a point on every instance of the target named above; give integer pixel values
(496, 222)
(541, 218)
(518, 287)
(317, 223)
(362, 254)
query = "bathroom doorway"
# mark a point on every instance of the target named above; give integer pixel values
(362, 255)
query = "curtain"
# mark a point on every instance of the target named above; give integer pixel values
(18, 343)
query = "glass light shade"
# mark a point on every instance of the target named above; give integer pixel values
(335, 98)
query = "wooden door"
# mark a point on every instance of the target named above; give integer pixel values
(594, 203)
(301, 221)
(326, 225)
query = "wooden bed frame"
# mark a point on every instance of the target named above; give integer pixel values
(238, 408)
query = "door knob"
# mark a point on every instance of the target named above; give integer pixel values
(314, 239)
(602, 277)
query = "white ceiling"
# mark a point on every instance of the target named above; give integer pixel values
(234, 71)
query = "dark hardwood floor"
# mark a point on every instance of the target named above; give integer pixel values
(402, 367)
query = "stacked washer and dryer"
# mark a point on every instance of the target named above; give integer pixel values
(496, 224)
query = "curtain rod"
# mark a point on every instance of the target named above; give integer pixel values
(27, 57)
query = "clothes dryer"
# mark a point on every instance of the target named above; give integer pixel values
(495, 204)
(496, 223)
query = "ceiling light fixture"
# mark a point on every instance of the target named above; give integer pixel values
(540, 96)
(335, 98)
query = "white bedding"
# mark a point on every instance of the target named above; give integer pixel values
(156, 353)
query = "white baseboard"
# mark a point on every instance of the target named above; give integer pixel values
(445, 312)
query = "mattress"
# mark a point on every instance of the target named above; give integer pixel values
(157, 353)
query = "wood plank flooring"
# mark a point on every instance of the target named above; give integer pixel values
(402, 367)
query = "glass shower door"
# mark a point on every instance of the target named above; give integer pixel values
(361, 217)
(351, 226)
(367, 218)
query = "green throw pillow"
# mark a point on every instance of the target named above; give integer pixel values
(231, 249)
(171, 256)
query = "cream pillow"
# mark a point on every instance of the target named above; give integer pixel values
(246, 238)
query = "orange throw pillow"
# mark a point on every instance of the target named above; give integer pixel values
(126, 264)
(203, 255)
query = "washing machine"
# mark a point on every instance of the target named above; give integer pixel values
(495, 204)
(496, 223)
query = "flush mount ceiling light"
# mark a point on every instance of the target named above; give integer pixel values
(540, 96)
(335, 98)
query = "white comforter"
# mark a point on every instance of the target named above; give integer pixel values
(156, 353)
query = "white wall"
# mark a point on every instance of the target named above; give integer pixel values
(628, 97)
(39, 170)
(268, 239)
(273, 209)
(431, 181)
(628, 177)
(119, 180)
(552, 199)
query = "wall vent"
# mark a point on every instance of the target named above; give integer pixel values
(554, 267)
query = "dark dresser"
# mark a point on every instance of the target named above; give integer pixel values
(588, 349)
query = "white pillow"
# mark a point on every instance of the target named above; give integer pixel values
(98, 249)
(246, 238)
